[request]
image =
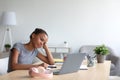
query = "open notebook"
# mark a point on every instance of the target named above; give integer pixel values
(83, 67)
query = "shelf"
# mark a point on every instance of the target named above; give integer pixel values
(60, 49)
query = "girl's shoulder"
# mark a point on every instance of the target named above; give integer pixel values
(18, 45)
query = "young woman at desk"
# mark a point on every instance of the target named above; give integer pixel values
(22, 55)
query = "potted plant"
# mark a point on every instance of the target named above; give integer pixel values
(101, 51)
(7, 47)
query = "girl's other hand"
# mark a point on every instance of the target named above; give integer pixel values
(45, 65)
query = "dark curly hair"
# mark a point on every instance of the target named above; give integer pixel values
(38, 31)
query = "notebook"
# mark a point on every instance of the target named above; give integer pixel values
(71, 64)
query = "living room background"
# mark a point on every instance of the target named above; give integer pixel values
(79, 22)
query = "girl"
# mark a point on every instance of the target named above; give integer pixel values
(22, 55)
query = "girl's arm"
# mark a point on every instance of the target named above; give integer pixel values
(48, 58)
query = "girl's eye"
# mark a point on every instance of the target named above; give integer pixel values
(41, 39)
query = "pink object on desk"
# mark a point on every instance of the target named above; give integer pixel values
(40, 72)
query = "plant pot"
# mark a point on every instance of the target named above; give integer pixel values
(100, 58)
(7, 49)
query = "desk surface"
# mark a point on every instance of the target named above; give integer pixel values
(98, 72)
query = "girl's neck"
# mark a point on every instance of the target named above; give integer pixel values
(29, 46)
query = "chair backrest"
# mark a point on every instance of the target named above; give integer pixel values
(88, 49)
(4, 65)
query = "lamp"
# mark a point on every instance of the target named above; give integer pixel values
(8, 20)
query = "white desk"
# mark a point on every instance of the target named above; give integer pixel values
(4, 54)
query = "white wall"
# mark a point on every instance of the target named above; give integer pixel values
(79, 22)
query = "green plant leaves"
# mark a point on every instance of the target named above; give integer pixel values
(102, 49)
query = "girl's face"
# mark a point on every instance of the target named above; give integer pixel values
(39, 40)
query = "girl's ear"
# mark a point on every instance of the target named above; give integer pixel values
(33, 35)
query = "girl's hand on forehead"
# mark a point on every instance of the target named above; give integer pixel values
(45, 45)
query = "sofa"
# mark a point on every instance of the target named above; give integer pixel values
(115, 60)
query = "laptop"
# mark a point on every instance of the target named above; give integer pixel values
(71, 64)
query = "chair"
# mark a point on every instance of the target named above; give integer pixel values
(3, 66)
(115, 60)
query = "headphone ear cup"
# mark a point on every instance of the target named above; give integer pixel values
(41, 69)
(35, 70)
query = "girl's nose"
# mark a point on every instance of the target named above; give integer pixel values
(41, 43)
